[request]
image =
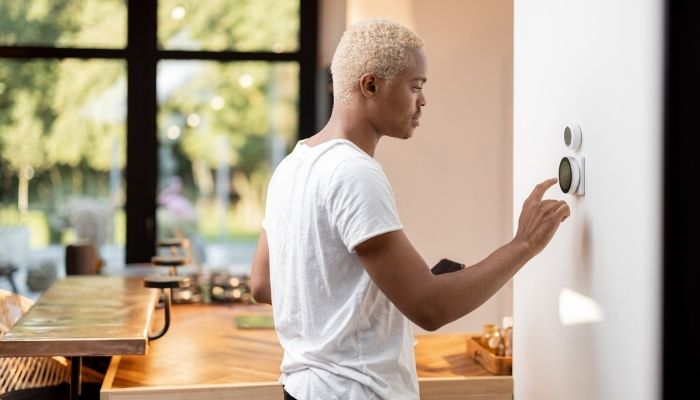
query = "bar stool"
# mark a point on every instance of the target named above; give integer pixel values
(166, 284)
(177, 246)
(172, 262)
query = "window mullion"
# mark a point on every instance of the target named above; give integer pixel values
(142, 146)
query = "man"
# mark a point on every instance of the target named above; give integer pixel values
(343, 279)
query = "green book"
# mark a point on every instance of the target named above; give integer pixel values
(254, 321)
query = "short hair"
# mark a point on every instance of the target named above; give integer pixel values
(376, 46)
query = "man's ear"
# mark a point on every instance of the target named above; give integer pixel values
(368, 85)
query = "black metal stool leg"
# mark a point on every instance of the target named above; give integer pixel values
(8, 271)
(76, 371)
(13, 284)
(166, 325)
(166, 284)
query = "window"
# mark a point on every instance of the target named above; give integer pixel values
(125, 121)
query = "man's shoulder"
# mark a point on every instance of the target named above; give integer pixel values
(343, 157)
(339, 160)
(349, 164)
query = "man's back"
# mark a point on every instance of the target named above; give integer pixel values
(342, 337)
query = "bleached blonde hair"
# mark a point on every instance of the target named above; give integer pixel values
(377, 46)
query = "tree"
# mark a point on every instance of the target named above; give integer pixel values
(22, 146)
(53, 119)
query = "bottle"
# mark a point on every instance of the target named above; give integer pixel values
(491, 338)
(508, 336)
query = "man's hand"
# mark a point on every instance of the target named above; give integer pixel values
(540, 219)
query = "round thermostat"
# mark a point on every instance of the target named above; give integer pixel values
(572, 137)
(569, 175)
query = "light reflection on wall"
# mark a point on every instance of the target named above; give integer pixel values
(575, 308)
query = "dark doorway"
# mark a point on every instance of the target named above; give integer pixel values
(681, 273)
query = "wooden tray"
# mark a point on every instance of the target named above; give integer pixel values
(496, 365)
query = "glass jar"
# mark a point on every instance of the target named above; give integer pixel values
(491, 338)
(508, 336)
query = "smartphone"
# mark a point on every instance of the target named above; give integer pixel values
(444, 266)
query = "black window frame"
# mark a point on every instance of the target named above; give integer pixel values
(142, 55)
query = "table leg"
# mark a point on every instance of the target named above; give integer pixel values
(76, 370)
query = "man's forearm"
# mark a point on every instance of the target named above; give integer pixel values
(459, 293)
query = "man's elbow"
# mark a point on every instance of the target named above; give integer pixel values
(260, 293)
(429, 322)
(430, 317)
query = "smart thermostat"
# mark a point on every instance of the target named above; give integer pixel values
(571, 175)
(572, 137)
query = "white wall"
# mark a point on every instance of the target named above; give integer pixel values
(597, 63)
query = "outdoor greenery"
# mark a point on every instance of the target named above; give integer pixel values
(62, 123)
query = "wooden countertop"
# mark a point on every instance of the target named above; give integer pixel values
(85, 316)
(204, 355)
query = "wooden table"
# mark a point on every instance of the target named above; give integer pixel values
(85, 316)
(205, 356)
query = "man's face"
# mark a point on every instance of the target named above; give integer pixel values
(399, 100)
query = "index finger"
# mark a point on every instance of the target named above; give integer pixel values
(538, 191)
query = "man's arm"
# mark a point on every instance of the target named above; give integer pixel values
(260, 274)
(432, 301)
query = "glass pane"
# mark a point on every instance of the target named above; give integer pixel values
(62, 157)
(239, 25)
(66, 23)
(223, 127)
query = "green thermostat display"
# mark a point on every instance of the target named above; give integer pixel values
(571, 175)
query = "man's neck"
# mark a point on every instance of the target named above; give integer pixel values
(345, 123)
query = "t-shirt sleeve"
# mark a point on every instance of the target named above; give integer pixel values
(361, 202)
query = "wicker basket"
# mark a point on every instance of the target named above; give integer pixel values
(17, 373)
(496, 365)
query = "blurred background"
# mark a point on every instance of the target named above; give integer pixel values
(222, 125)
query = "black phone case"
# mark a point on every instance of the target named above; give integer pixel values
(444, 266)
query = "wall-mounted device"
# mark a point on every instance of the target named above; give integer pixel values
(572, 169)
(572, 137)
(571, 175)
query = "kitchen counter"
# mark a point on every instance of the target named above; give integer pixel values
(204, 355)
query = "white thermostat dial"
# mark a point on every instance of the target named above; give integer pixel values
(572, 137)
(571, 175)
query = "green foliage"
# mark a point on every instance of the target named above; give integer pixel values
(86, 129)
(65, 120)
(249, 115)
(35, 22)
(242, 25)
(21, 140)
(94, 23)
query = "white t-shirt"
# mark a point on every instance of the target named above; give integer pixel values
(342, 338)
